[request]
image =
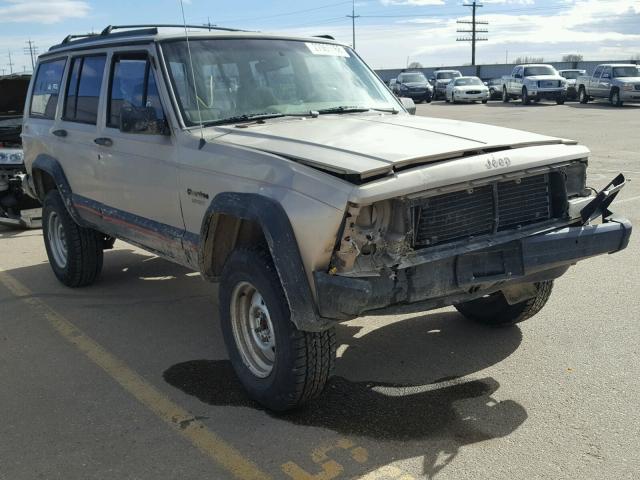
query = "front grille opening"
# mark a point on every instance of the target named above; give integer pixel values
(488, 209)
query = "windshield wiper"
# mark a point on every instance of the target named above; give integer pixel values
(245, 118)
(352, 109)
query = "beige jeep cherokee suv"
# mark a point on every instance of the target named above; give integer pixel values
(286, 170)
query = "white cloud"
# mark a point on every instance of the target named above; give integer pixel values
(580, 28)
(416, 3)
(39, 11)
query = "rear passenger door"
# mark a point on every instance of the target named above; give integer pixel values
(77, 130)
(138, 168)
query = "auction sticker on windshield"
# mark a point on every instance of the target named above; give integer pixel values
(327, 49)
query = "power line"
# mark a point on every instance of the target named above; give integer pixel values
(474, 29)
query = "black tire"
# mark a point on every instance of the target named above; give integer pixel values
(484, 102)
(583, 98)
(505, 95)
(453, 98)
(614, 98)
(303, 361)
(525, 96)
(495, 311)
(84, 255)
(560, 99)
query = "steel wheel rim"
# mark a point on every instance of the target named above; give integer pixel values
(57, 240)
(253, 329)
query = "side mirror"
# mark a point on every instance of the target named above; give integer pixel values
(142, 120)
(409, 105)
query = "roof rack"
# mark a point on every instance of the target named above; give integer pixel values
(111, 28)
(132, 30)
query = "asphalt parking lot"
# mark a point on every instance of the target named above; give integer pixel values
(128, 379)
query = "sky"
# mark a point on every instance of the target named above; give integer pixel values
(389, 33)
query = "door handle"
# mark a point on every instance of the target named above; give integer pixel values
(105, 142)
(60, 133)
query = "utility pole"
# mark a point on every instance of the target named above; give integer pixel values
(474, 29)
(209, 24)
(10, 63)
(32, 51)
(353, 17)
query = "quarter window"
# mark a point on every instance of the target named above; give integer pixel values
(132, 84)
(83, 90)
(46, 89)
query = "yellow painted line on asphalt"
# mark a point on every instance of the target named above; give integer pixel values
(184, 423)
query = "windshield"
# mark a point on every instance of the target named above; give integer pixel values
(533, 71)
(447, 75)
(247, 77)
(571, 75)
(619, 72)
(413, 78)
(463, 82)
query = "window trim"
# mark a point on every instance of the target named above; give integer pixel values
(63, 117)
(35, 79)
(149, 66)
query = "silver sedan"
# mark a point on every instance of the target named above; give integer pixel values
(467, 89)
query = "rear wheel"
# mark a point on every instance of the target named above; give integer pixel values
(280, 366)
(75, 253)
(494, 310)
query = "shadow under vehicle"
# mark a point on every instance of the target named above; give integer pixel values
(16, 207)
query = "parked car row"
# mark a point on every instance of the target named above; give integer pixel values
(530, 83)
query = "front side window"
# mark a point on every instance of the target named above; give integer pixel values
(598, 72)
(244, 77)
(46, 89)
(83, 89)
(621, 72)
(133, 84)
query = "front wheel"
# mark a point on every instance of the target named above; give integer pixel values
(560, 99)
(505, 95)
(484, 102)
(281, 367)
(495, 311)
(614, 98)
(582, 96)
(525, 96)
(75, 252)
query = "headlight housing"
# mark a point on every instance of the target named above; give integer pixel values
(628, 87)
(11, 157)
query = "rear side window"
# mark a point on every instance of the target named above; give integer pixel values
(46, 89)
(83, 90)
(132, 84)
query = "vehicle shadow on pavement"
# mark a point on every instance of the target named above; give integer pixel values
(428, 409)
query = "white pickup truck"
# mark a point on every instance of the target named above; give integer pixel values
(617, 83)
(534, 83)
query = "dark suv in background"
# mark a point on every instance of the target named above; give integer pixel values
(413, 85)
(16, 208)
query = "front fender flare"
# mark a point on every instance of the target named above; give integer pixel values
(283, 246)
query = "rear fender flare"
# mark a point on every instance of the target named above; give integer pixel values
(52, 167)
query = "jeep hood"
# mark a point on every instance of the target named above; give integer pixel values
(367, 145)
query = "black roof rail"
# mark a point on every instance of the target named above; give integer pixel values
(111, 28)
(328, 37)
(68, 38)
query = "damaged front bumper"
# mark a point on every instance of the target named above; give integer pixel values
(470, 275)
